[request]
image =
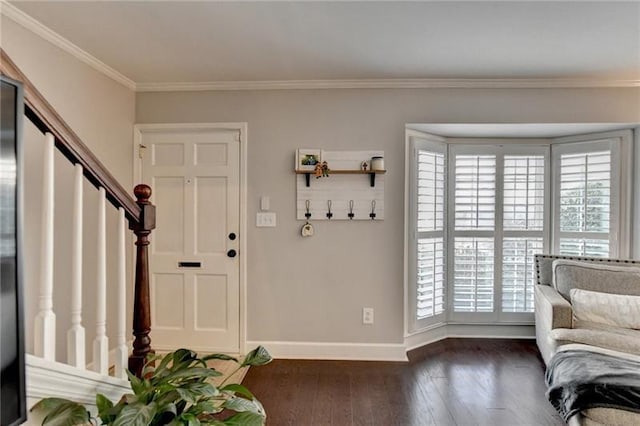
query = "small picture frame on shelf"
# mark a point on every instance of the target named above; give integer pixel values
(306, 159)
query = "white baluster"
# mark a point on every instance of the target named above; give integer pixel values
(76, 334)
(45, 321)
(101, 342)
(122, 351)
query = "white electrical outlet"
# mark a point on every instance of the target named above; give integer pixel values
(266, 220)
(367, 315)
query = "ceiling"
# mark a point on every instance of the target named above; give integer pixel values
(203, 41)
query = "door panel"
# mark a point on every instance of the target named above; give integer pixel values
(195, 183)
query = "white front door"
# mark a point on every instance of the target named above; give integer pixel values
(194, 253)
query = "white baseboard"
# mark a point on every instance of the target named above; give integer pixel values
(53, 379)
(480, 331)
(334, 351)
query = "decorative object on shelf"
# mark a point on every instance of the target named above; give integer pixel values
(364, 166)
(325, 169)
(372, 215)
(306, 159)
(329, 214)
(377, 163)
(318, 171)
(350, 214)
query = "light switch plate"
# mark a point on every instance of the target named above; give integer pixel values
(266, 220)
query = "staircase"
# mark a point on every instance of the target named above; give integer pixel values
(83, 374)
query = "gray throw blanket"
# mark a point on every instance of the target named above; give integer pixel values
(581, 379)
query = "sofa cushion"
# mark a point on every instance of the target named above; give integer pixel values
(626, 340)
(569, 274)
(605, 308)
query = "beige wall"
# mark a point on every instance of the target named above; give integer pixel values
(314, 289)
(101, 112)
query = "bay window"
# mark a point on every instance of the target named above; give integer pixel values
(478, 213)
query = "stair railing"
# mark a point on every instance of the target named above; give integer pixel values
(140, 215)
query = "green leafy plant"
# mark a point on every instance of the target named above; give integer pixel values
(177, 392)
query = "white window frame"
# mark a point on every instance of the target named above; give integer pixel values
(498, 234)
(620, 145)
(420, 141)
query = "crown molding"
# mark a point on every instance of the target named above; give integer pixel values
(21, 18)
(56, 39)
(415, 83)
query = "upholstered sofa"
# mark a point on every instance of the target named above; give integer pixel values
(571, 297)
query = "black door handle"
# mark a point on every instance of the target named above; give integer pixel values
(231, 253)
(232, 236)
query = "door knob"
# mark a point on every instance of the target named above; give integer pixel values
(232, 236)
(231, 253)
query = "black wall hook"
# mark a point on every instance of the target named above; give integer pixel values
(329, 214)
(308, 213)
(372, 215)
(351, 215)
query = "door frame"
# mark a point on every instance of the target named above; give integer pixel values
(242, 127)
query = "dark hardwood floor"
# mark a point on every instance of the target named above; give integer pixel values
(452, 382)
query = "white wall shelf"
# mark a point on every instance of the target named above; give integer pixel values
(343, 195)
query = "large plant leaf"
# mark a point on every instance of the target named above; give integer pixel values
(183, 358)
(187, 395)
(190, 419)
(237, 388)
(137, 414)
(258, 356)
(197, 372)
(245, 418)
(136, 384)
(162, 369)
(241, 404)
(166, 414)
(105, 408)
(47, 404)
(222, 357)
(67, 414)
(207, 406)
(206, 390)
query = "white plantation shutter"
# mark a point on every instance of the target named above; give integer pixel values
(427, 216)
(430, 274)
(585, 188)
(588, 203)
(523, 226)
(473, 274)
(524, 192)
(518, 273)
(500, 202)
(474, 201)
(475, 192)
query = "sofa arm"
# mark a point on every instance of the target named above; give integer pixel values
(551, 309)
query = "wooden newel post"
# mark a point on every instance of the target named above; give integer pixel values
(141, 301)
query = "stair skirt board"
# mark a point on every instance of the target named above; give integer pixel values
(53, 379)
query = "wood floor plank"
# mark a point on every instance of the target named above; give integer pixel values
(455, 382)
